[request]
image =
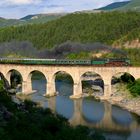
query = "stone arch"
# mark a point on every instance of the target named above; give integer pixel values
(18, 80)
(66, 79)
(37, 82)
(121, 73)
(115, 81)
(95, 80)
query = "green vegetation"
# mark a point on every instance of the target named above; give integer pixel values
(15, 79)
(134, 88)
(29, 121)
(132, 85)
(80, 55)
(38, 75)
(85, 28)
(127, 78)
(1, 86)
(110, 28)
(31, 19)
(64, 77)
(132, 5)
(134, 55)
(130, 36)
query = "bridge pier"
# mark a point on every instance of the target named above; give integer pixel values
(107, 91)
(51, 89)
(27, 87)
(107, 85)
(77, 90)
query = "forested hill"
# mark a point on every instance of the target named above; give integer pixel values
(133, 5)
(130, 5)
(101, 27)
(114, 5)
(30, 19)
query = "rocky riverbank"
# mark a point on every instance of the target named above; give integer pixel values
(123, 98)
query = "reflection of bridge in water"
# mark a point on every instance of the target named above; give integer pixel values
(105, 123)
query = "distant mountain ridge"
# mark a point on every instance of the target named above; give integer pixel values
(30, 19)
(132, 5)
(34, 16)
(114, 5)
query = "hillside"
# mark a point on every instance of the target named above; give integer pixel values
(109, 28)
(26, 120)
(84, 28)
(133, 5)
(114, 5)
(8, 22)
(30, 19)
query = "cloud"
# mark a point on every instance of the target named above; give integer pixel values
(53, 10)
(19, 2)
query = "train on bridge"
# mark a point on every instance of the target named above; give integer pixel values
(95, 62)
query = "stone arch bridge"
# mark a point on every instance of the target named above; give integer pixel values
(75, 71)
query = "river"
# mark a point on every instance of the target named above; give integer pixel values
(115, 122)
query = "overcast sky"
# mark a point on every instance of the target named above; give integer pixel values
(21, 8)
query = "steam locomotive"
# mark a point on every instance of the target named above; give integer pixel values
(94, 62)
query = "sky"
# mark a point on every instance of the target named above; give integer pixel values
(21, 8)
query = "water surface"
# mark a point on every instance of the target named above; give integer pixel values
(116, 123)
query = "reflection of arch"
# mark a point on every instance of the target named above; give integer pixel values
(66, 83)
(121, 116)
(64, 106)
(35, 84)
(93, 78)
(97, 108)
(8, 75)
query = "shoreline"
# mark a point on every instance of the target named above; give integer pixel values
(132, 110)
(122, 97)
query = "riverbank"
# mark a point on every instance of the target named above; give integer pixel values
(17, 119)
(123, 98)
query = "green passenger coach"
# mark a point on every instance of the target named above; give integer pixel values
(94, 62)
